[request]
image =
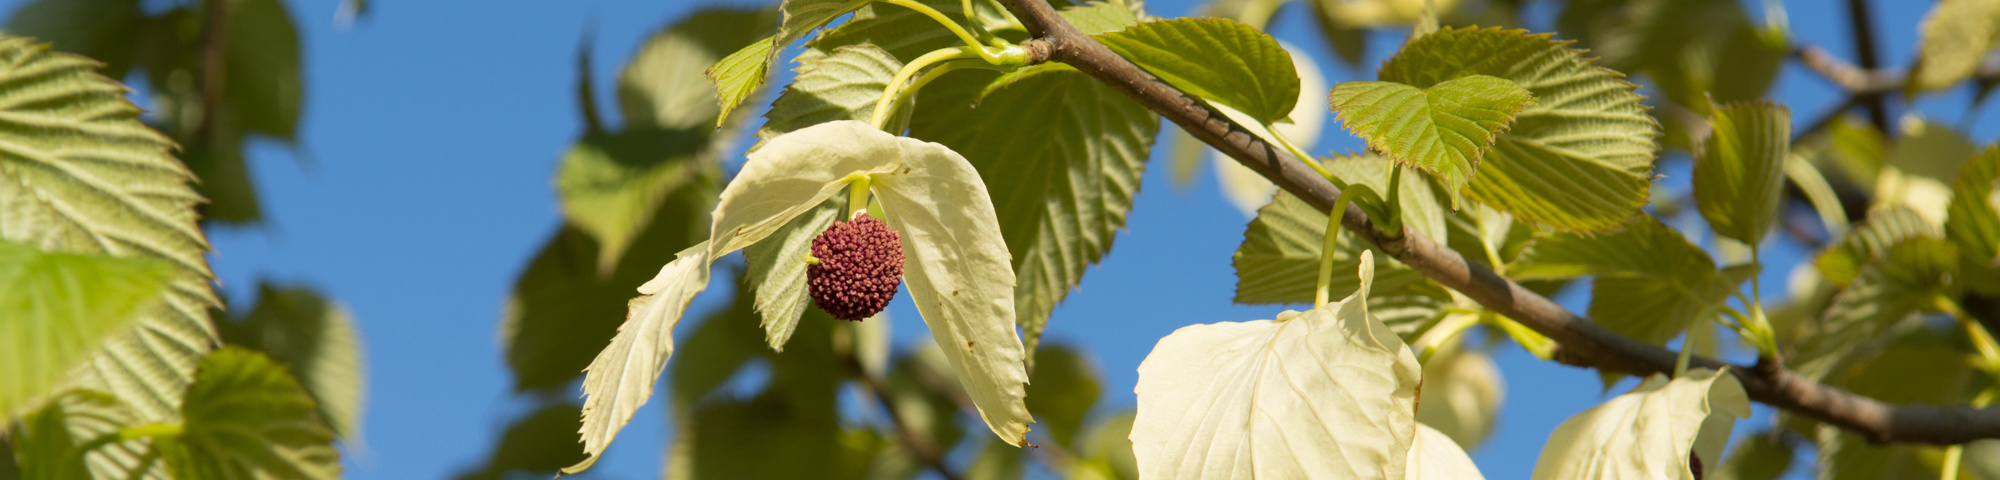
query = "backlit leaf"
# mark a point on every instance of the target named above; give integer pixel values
(1740, 173)
(1580, 159)
(662, 87)
(1444, 129)
(316, 340)
(246, 418)
(60, 308)
(738, 75)
(1956, 36)
(1902, 281)
(1921, 167)
(1973, 222)
(1330, 392)
(844, 84)
(1279, 259)
(1223, 61)
(79, 173)
(1885, 227)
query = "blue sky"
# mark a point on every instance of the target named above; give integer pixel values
(421, 187)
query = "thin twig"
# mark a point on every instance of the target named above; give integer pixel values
(1582, 343)
(214, 53)
(1865, 47)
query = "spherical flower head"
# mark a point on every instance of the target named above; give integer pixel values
(860, 266)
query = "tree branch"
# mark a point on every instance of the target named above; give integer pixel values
(1864, 49)
(1582, 343)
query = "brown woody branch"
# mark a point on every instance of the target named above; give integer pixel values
(1582, 343)
(1864, 86)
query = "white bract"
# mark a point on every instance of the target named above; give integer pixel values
(1329, 393)
(1434, 456)
(1647, 434)
(956, 268)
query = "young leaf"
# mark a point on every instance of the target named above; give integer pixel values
(739, 74)
(1579, 159)
(1650, 432)
(1957, 34)
(59, 309)
(1740, 173)
(1223, 61)
(45, 442)
(1061, 198)
(1328, 392)
(1434, 456)
(842, 85)
(315, 340)
(1443, 129)
(81, 174)
(1886, 226)
(1902, 281)
(1973, 223)
(245, 417)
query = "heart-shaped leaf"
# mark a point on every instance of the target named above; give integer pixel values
(1444, 129)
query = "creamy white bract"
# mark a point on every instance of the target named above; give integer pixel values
(957, 268)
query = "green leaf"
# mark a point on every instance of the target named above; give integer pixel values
(1223, 61)
(1649, 432)
(791, 429)
(1652, 283)
(538, 444)
(612, 186)
(105, 30)
(563, 306)
(315, 340)
(1062, 198)
(79, 173)
(1443, 129)
(1885, 227)
(904, 33)
(739, 74)
(720, 346)
(1645, 247)
(1903, 280)
(1580, 159)
(996, 461)
(1944, 380)
(661, 87)
(1972, 221)
(60, 308)
(842, 85)
(1956, 36)
(1108, 450)
(44, 441)
(245, 417)
(1740, 173)
(778, 271)
(1331, 391)
(263, 87)
(1061, 391)
(1097, 18)
(1278, 261)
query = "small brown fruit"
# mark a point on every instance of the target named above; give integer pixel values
(860, 265)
